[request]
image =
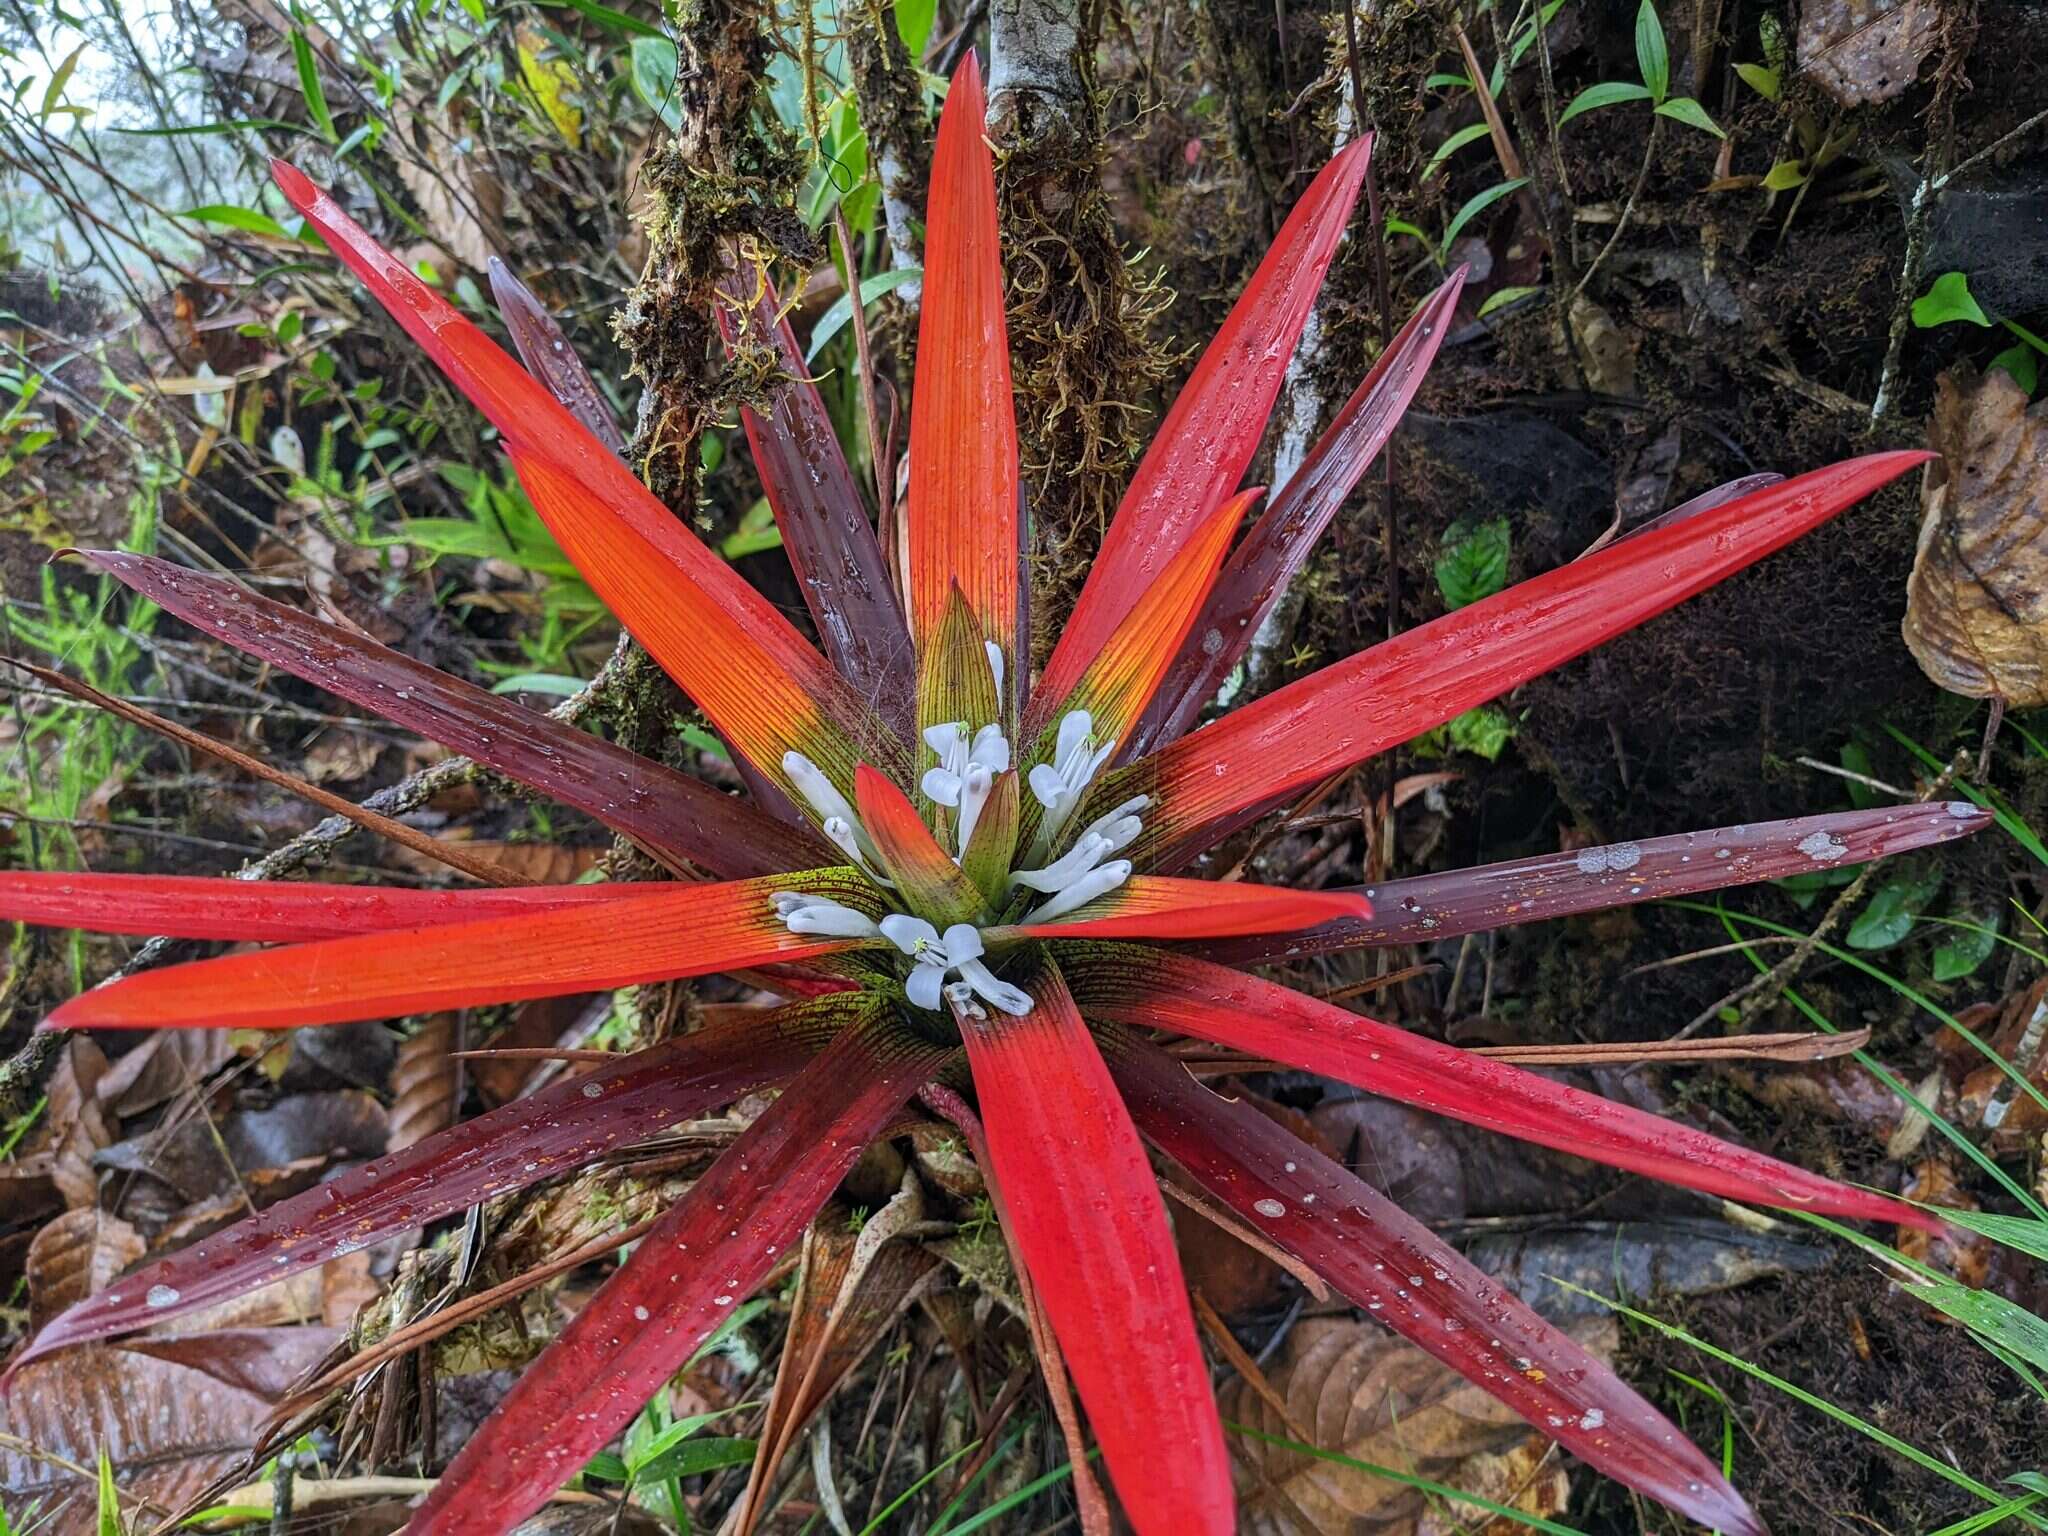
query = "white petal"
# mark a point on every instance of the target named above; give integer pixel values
(1048, 787)
(974, 795)
(1064, 871)
(1074, 728)
(962, 943)
(907, 933)
(994, 653)
(1012, 1000)
(943, 738)
(809, 780)
(941, 786)
(991, 749)
(924, 986)
(830, 920)
(1097, 882)
(1130, 807)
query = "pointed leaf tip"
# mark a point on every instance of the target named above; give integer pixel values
(293, 182)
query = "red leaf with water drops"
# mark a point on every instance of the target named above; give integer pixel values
(1424, 908)
(1160, 907)
(963, 427)
(264, 911)
(1084, 1212)
(655, 805)
(1393, 692)
(548, 356)
(1261, 567)
(669, 931)
(1206, 443)
(1150, 990)
(713, 1247)
(763, 685)
(557, 1130)
(826, 534)
(1410, 1279)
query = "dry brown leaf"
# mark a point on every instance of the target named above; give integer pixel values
(1373, 1397)
(529, 863)
(1866, 50)
(163, 1066)
(78, 1126)
(169, 1429)
(1977, 602)
(78, 1253)
(853, 1287)
(423, 1084)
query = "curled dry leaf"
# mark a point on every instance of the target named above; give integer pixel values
(1977, 602)
(423, 1084)
(78, 1253)
(1365, 1394)
(78, 1126)
(169, 1428)
(1866, 50)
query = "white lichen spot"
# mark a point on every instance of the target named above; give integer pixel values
(1823, 847)
(593, 1091)
(640, 1313)
(1269, 1207)
(721, 1301)
(1592, 1419)
(1600, 861)
(162, 1296)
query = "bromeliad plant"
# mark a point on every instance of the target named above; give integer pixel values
(961, 871)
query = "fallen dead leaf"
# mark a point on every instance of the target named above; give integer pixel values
(169, 1429)
(1373, 1397)
(1977, 602)
(1866, 50)
(423, 1084)
(78, 1253)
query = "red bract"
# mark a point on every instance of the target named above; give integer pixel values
(975, 881)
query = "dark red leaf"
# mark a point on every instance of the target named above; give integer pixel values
(548, 356)
(1150, 989)
(264, 911)
(1406, 1277)
(1261, 567)
(654, 933)
(701, 1259)
(1084, 1213)
(1203, 448)
(826, 534)
(1425, 908)
(556, 1131)
(1394, 691)
(664, 809)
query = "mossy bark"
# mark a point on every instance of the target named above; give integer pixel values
(1080, 353)
(730, 175)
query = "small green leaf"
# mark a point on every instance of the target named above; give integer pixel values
(2019, 361)
(1948, 300)
(1855, 757)
(1965, 949)
(1806, 889)
(1403, 227)
(1453, 144)
(834, 320)
(654, 62)
(1761, 79)
(53, 93)
(1607, 93)
(1785, 175)
(234, 217)
(1474, 562)
(1689, 112)
(1891, 913)
(310, 87)
(109, 1499)
(606, 16)
(914, 24)
(1477, 205)
(1652, 57)
(1447, 83)
(1484, 731)
(1501, 297)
